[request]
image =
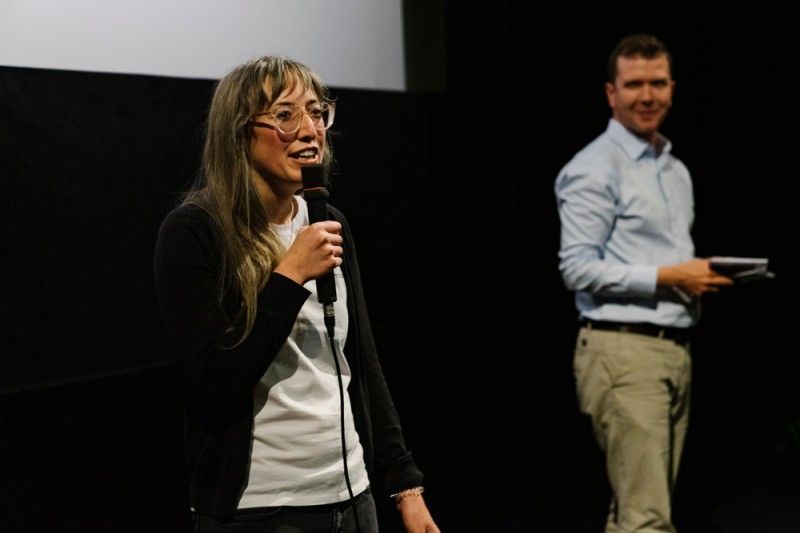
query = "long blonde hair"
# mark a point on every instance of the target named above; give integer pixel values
(225, 189)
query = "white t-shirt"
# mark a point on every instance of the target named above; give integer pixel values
(296, 456)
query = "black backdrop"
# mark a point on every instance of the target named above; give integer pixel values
(450, 195)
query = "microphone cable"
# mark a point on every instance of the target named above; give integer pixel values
(329, 323)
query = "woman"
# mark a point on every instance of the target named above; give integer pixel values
(268, 421)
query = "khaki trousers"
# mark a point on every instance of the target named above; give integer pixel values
(636, 390)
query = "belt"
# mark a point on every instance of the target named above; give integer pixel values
(678, 335)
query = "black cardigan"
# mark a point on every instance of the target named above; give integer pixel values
(219, 383)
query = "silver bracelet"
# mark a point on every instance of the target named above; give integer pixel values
(408, 492)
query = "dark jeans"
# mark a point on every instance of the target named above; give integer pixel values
(331, 518)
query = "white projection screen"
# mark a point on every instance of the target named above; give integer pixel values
(350, 43)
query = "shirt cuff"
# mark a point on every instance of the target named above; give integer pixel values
(643, 280)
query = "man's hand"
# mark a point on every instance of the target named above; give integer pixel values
(694, 277)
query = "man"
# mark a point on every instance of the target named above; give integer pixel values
(626, 208)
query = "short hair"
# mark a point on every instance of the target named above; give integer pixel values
(638, 44)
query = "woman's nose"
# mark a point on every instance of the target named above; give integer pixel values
(307, 128)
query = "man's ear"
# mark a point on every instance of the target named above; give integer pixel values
(610, 94)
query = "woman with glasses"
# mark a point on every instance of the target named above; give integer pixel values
(288, 416)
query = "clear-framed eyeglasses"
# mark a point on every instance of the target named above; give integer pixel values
(287, 118)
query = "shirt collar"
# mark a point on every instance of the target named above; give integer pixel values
(635, 147)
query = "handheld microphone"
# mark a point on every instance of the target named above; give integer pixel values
(315, 192)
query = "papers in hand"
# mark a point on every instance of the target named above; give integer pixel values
(741, 268)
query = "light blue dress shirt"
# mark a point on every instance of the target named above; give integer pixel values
(625, 211)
